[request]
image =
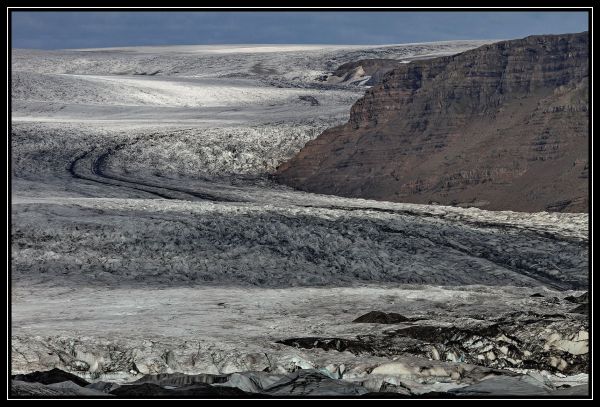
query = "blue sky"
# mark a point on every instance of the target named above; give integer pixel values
(55, 30)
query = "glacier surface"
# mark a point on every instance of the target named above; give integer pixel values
(148, 237)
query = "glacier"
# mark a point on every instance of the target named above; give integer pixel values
(148, 236)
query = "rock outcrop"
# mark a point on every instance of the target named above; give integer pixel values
(379, 317)
(501, 127)
(364, 71)
(50, 377)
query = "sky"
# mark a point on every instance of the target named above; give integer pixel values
(71, 29)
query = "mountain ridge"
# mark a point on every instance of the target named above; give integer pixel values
(500, 127)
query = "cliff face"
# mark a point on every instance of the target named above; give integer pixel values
(375, 68)
(501, 127)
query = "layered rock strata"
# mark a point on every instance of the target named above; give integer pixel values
(500, 127)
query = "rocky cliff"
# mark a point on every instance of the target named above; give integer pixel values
(501, 127)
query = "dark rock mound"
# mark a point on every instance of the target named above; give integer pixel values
(141, 390)
(536, 295)
(384, 395)
(582, 309)
(20, 388)
(504, 386)
(181, 379)
(580, 390)
(393, 395)
(201, 389)
(197, 389)
(379, 317)
(105, 387)
(71, 389)
(310, 99)
(310, 382)
(582, 299)
(50, 377)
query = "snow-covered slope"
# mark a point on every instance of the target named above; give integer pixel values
(222, 60)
